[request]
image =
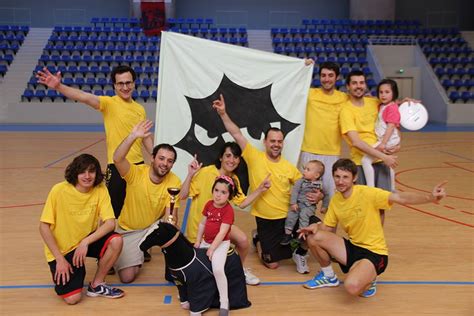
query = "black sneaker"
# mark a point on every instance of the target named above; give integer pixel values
(105, 291)
(286, 240)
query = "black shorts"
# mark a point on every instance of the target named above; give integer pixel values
(117, 187)
(270, 232)
(356, 253)
(76, 279)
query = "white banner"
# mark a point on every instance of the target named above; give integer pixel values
(260, 89)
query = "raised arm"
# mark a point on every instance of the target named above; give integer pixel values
(230, 126)
(389, 160)
(141, 130)
(436, 195)
(193, 168)
(148, 144)
(54, 82)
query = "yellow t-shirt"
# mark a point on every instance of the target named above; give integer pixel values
(145, 202)
(272, 204)
(362, 120)
(119, 119)
(359, 216)
(74, 215)
(322, 134)
(201, 192)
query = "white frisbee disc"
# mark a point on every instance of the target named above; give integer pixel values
(413, 116)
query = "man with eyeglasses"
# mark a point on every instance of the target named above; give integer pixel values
(121, 113)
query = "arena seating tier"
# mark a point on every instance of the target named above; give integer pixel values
(11, 38)
(85, 55)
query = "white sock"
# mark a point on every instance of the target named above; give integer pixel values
(328, 271)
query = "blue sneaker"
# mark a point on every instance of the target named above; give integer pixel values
(105, 291)
(320, 280)
(370, 291)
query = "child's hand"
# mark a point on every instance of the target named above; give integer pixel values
(294, 207)
(381, 147)
(209, 253)
(197, 244)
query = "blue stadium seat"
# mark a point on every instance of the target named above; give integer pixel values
(454, 96)
(28, 94)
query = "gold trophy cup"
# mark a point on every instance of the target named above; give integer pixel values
(173, 192)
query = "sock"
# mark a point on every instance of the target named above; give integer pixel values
(300, 251)
(328, 271)
(224, 304)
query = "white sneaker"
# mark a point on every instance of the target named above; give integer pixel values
(301, 264)
(250, 278)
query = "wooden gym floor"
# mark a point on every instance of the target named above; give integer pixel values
(430, 271)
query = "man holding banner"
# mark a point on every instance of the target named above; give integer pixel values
(270, 209)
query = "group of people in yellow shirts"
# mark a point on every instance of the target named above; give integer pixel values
(138, 192)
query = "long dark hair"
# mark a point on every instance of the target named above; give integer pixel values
(234, 148)
(80, 164)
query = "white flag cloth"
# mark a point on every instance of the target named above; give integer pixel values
(261, 89)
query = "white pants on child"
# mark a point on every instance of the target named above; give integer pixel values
(218, 262)
(369, 170)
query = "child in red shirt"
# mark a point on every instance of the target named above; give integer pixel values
(215, 226)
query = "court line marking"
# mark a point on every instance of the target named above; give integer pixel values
(72, 153)
(397, 180)
(455, 155)
(276, 283)
(22, 205)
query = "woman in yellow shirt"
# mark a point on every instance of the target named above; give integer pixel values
(200, 190)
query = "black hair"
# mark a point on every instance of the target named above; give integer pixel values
(166, 147)
(79, 165)
(232, 188)
(393, 85)
(273, 129)
(329, 65)
(234, 148)
(346, 165)
(354, 73)
(121, 70)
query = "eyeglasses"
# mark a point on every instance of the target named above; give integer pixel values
(127, 84)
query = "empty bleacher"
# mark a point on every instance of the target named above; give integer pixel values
(11, 38)
(85, 55)
(344, 42)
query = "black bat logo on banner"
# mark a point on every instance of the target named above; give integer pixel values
(248, 108)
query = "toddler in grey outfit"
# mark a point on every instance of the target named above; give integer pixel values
(300, 208)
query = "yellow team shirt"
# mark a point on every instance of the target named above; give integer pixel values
(201, 192)
(74, 215)
(119, 119)
(322, 134)
(273, 203)
(359, 216)
(145, 202)
(362, 120)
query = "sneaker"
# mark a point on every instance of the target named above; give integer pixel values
(147, 256)
(370, 291)
(105, 291)
(320, 280)
(286, 240)
(301, 264)
(250, 278)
